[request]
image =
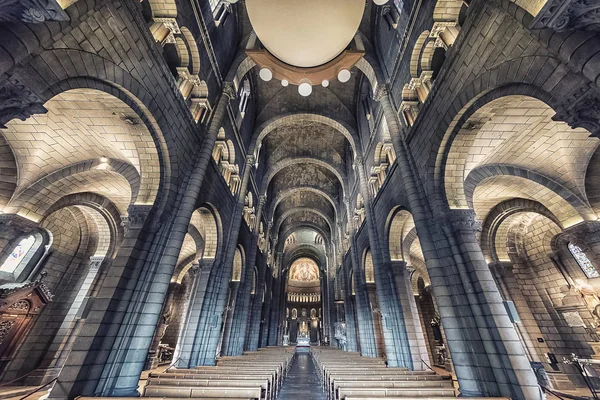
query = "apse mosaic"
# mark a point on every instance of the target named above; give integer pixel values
(304, 270)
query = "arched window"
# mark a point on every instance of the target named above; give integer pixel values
(18, 254)
(584, 262)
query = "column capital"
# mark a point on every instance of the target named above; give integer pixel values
(462, 220)
(229, 90)
(32, 11)
(581, 113)
(382, 91)
(563, 15)
(17, 101)
(500, 268)
(261, 202)
(137, 214)
(358, 160)
(250, 159)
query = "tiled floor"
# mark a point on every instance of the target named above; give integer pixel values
(302, 381)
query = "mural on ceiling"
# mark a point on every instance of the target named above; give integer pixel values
(304, 270)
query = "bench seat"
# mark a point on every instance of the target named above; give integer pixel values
(206, 392)
(344, 393)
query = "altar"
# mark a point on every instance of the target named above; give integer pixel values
(303, 342)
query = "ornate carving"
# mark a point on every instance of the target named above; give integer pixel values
(381, 92)
(5, 327)
(31, 11)
(582, 114)
(21, 305)
(136, 216)
(229, 90)
(562, 15)
(358, 160)
(16, 101)
(250, 159)
(463, 220)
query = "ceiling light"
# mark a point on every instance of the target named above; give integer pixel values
(284, 82)
(103, 159)
(305, 89)
(343, 75)
(377, 2)
(265, 74)
(325, 83)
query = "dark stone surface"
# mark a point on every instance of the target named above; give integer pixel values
(302, 381)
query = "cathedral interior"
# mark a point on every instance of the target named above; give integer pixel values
(316, 199)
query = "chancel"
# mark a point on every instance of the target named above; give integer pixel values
(285, 199)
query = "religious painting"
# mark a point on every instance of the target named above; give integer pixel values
(304, 270)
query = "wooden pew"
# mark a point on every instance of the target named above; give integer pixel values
(253, 393)
(227, 381)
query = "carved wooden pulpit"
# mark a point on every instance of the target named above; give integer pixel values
(20, 304)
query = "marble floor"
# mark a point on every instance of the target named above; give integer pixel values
(302, 381)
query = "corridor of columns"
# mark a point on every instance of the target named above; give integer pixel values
(191, 183)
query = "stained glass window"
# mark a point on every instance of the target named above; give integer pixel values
(584, 262)
(17, 255)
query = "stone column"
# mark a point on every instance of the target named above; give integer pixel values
(243, 308)
(264, 323)
(257, 309)
(393, 327)
(276, 309)
(213, 308)
(126, 362)
(105, 311)
(187, 333)
(414, 330)
(351, 339)
(509, 287)
(363, 308)
(468, 344)
(163, 324)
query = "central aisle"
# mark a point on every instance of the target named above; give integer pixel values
(302, 381)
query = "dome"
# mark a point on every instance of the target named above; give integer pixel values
(302, 33)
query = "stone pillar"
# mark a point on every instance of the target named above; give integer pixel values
(466, 343)
(145, 290)
(121, 374)
(213, 308)
(509, 364)
(241, 314)
(163, 324)
(257, 311)
(509, 287)
(104, 311)
(351, 339)
(264, 323)
(276, 310)
(363, 308)
(414, 330)
(393, 327)
(187, 333)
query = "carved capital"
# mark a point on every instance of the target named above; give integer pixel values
(359, 161)
(229, 90)
(262, 200)
(582, 113)
(31, 11)
(16, 101)
(582, 234)
(563, 15)
(137, 214)
(381, 92)
(463, 220)
(250, 159)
